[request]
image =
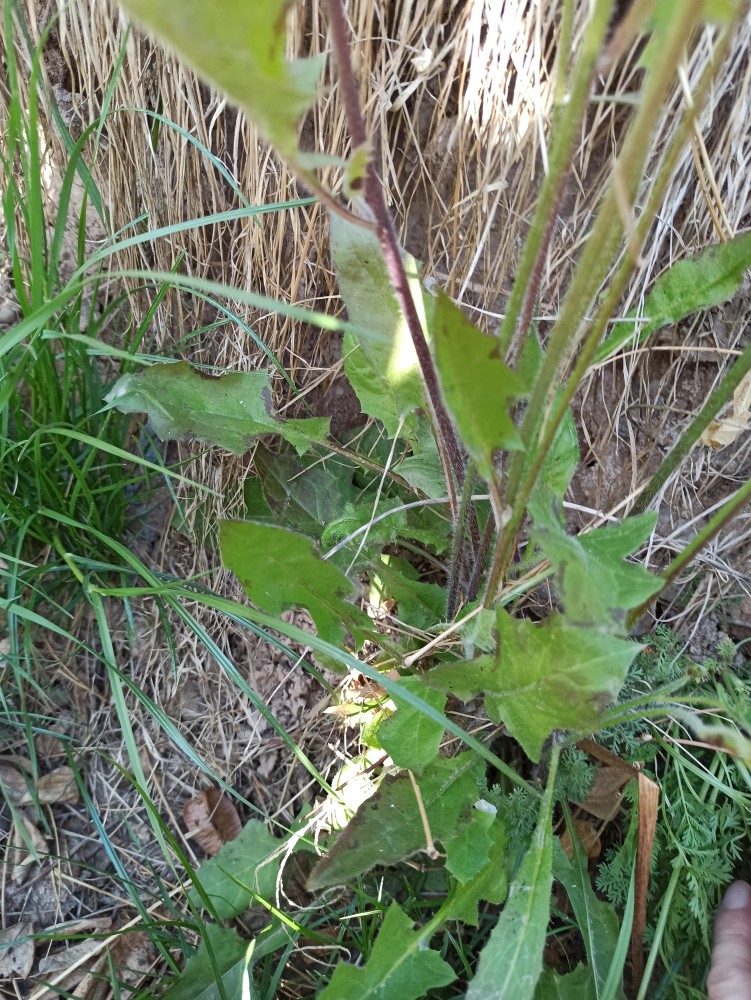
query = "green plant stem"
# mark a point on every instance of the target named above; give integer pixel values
(689, 437)
(604, 241)
(458, 560)
(524, 291)
(480, 559)
(728, 511)
(564, 48)
(446, 437)
(566, 119)
(602, 245)
(625, 271)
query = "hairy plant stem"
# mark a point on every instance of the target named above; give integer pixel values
(531, 293)
(482, 554)
(446, 437)
(726, 513)
(610, 302)
(569, 112)
(532, 289)
(544, 411)
(458, 555)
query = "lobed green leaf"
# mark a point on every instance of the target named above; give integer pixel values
(576, 985)
(409, 737)
(241, 48)
(543, 677)
(230, 411)
(280, 570)
(304, 494)
(699, 282)
(597, 586)
(489, 884)
(242, 866)
(400, 966)
(389, 828)
(419, 604)
(468, 850)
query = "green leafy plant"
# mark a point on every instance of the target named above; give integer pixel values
(704, 807)
(472, 445)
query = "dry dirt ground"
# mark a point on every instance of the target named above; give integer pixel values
(463, 166)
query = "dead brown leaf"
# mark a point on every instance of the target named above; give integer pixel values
(22, 763)
(721, 433)
(589, 835)
(606, 794)
(93, 984)
(649, 798)
(77, 971)
(95, 925)
(212, 820)
(70, 958)
(49, 744)
(16, 951)
(13, 783)
(53, 788)
(133, 955)
(27, 846)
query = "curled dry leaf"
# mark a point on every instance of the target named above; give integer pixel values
(27, 846)
(16, 951)
(212, 820)
(12, 783)
(604, 799)
(57, 786)
(93, 924)
(649, 801)
(79, 970)
(721, 433)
